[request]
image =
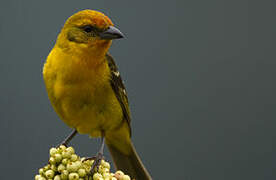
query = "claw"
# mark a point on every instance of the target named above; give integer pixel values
(96, 164)
(89, 158)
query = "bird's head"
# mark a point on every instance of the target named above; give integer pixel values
(88, 30)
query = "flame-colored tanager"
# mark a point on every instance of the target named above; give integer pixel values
(86, 90)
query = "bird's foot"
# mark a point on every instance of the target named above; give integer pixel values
(97, 162)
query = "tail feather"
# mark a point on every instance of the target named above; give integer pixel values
(129, 164)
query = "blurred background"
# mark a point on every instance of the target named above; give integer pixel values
(200, 77)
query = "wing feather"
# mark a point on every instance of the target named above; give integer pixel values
(119, 88)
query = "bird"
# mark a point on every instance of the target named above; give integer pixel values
(87, 92)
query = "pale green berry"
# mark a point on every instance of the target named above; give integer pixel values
(63, 177)
(97, 176)
(61, 167)
(57, 177)
(58, 157)
(73, 176)
(49, 174)
(72, 167)
(62, 147)
(53, 151)
(88, 162)
(103, 170)
(106, 175)
(41, 178)
(85, 163)
(87, 168)
(113, 178)
(74, 157)
(81, 172)
(78, 164)
(118, 174)
(66, 154)
(100, 170)
(64, 174)
(53, 167)
(37, 177)
(48, 166)
(52, 160)
(101, 178)
(41, 171)
(71, 150)
(106, 165)
(64, 161)
(125, 177)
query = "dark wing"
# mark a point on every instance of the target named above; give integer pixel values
(119, 88)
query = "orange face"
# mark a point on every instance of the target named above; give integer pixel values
(88, 30)
(89, 17)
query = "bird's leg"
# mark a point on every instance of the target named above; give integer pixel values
(97, 159)
(68, 138)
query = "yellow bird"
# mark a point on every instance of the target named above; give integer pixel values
(86, 90)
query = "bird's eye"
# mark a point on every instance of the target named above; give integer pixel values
(88, 28)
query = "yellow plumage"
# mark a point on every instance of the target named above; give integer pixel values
(82, 96)
(86, 91)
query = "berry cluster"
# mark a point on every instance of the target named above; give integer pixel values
(64, 164)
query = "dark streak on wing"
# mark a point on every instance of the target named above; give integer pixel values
(119, 88)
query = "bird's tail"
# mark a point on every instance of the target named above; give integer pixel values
(129, 163)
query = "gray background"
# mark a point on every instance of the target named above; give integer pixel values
(200, 76)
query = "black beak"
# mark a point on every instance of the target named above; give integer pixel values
(111, 33)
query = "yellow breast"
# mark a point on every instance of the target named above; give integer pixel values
(80, 92)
